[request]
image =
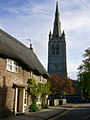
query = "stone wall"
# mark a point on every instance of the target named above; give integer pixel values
(7, 93)
(64, 101)
(56, 102)
(37, 78)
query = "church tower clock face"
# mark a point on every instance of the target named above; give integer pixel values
(57, 48)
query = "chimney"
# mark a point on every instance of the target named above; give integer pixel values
(31, 47)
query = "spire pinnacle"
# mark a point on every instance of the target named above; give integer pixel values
(57, 24)
(50, 33)
(56, 6)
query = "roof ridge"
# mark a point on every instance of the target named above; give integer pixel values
(13, 38)
(20, 52)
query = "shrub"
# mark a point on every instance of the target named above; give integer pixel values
(46, 106)
(33, 108)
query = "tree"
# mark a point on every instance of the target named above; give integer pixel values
(84, 74)
(44, 89)
(41, 89)
(61, 84)
(32, 90)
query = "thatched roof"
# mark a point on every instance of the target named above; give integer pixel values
(15, 50)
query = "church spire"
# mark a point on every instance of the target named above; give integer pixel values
(57, 24)
(57, 6)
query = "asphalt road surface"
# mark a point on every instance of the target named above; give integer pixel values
(77, 112)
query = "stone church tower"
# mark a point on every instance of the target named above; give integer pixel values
(57, 48)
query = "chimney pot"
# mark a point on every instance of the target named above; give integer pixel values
(31, 47)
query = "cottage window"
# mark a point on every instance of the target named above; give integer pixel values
(41, 78)
(9, 65)
(15, 67)
(12, 66)
(31, 74)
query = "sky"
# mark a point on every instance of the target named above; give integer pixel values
(31, 20)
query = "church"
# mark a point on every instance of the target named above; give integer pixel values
(57, 48)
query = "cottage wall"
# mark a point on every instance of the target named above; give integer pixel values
(37, 78)
(7, 93)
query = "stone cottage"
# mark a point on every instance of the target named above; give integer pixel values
(17, 64)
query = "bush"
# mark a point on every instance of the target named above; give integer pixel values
(33, 108)
(46, 106)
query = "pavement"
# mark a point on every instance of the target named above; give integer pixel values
(43, 114)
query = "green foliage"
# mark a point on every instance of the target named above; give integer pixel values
(32, 90)
(46, 106)
(44, 89)
(33, 108)
(84, 74)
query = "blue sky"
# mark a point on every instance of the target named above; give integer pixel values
(31, 20)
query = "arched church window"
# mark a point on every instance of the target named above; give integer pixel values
(57, 49)
(53, 49)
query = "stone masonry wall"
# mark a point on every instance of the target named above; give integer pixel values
(37, 79)
(6, 83)
(7, 93)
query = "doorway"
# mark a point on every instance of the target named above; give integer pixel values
(19, 100)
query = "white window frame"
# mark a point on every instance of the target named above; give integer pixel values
(41, 79)
(31, 74)
(13, 65)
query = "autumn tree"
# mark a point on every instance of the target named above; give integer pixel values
(84, 74)
(61, 85)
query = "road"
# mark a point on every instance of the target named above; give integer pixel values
(76, 112)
